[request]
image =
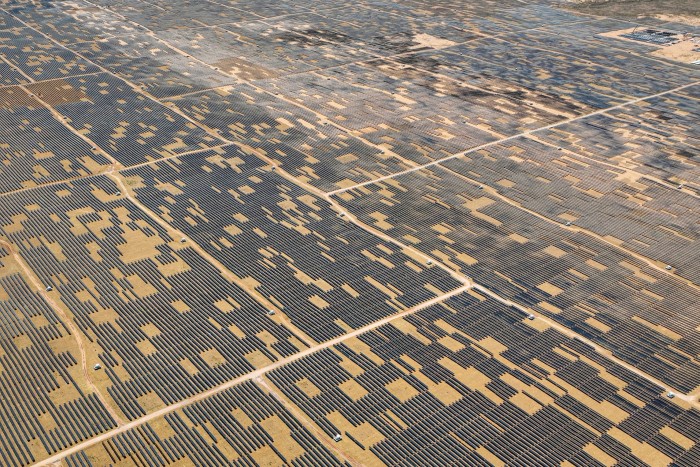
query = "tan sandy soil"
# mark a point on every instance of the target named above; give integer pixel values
(686, 51)
(690, 20)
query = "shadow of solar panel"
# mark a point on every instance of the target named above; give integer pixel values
(691, 91)
(652, 36)
(243, 425)
(165, 323)
(470, 381)
(35, 148)
(645, 317)
(326, 274)
(44, 408)
(539, 69)
(129, 126)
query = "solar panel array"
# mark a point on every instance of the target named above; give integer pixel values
(241, 426)
(367, 232)
(46, 404)
(588, 285)
(36, 147)
(337, 276)
(469, 382)
(166, 323)
(302, 143)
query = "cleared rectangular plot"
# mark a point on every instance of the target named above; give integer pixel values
(35, 148)
(129, 126)
(302, 143)
(46, 404)
(646, 317)
(244, 425)
(623, 206)
(326, 274)
(470, 381)
(163, 322)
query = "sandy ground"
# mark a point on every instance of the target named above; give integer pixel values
(686, 50)
(682, 11)
(690, 20)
